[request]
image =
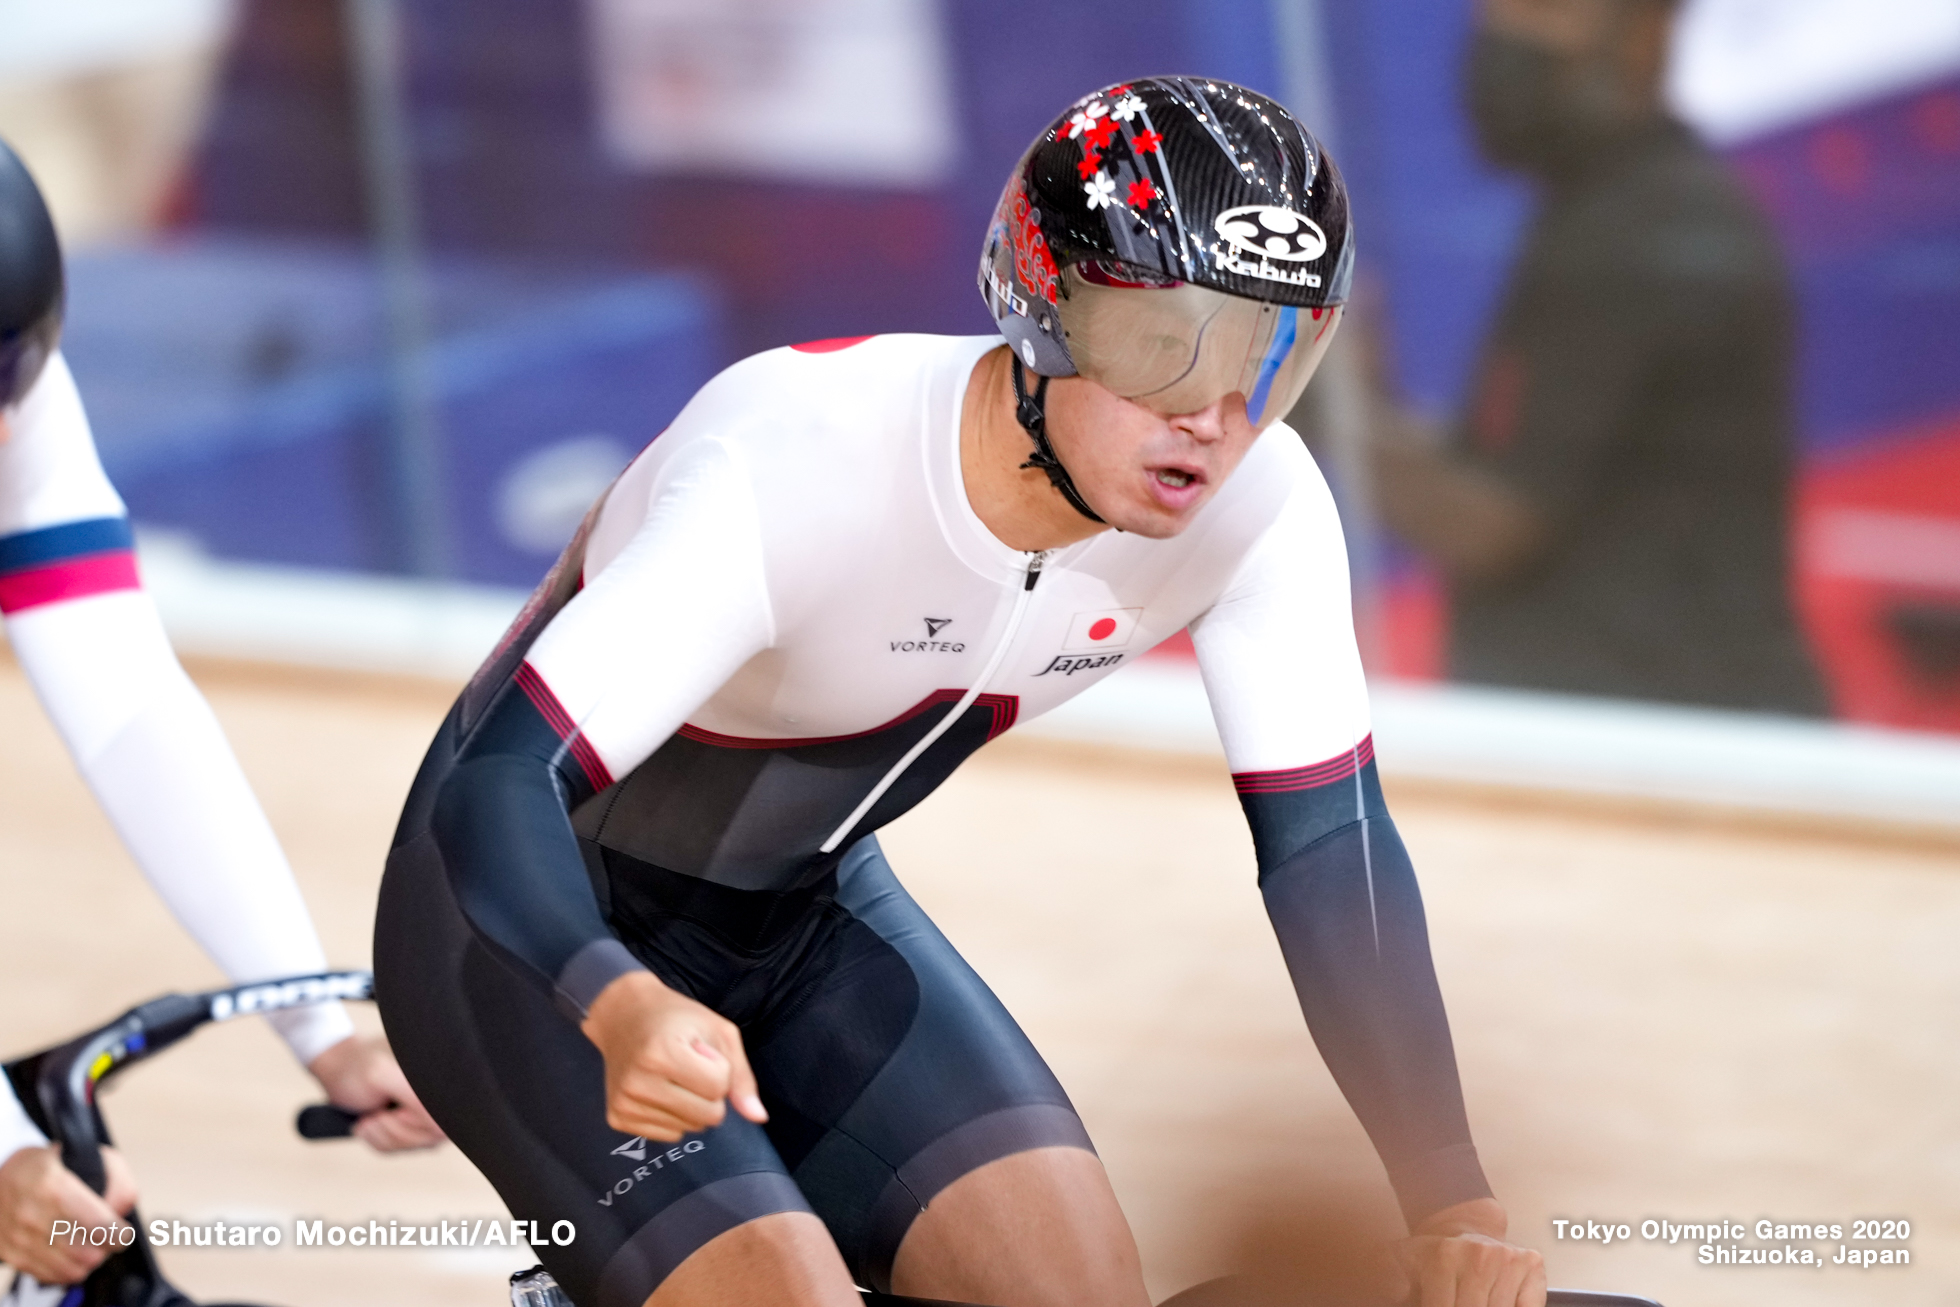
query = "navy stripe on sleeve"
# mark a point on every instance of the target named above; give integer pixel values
(55, 544)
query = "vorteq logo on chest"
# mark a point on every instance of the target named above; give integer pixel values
(1094, 640)
(932, 643)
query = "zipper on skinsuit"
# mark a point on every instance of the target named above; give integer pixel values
(1035, 560)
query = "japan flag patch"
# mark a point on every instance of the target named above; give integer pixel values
(1109, 629)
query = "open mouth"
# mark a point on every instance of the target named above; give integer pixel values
(1174, 478)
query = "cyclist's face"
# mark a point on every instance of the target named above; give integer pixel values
(1145, 472)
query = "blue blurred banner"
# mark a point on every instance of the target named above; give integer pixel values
(238, 396)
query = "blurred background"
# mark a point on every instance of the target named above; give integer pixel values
(394, 286)
(1645, 428)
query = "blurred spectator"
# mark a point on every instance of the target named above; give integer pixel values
(1611, 512)
(103, 100)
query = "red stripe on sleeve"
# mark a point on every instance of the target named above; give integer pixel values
(71, 578)
(541, 697)
(829, 346)
(1337, 768)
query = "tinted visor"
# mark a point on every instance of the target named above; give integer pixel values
(1177, 348)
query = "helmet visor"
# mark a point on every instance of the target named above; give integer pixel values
(1179, 348)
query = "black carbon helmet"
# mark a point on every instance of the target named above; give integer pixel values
(1159, 181)
(31, 287)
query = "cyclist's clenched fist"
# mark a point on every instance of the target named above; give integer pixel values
(1458, 1258)
(673, 1066)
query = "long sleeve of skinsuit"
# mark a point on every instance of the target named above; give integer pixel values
(1285, 681)
(603, 687)
(141, 735)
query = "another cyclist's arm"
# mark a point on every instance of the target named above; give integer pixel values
(657, 628)
(144, 739)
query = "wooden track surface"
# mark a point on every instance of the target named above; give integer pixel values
(1655, 1019)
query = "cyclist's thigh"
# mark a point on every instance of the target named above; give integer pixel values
(1040, 1227)
(900, 1073)
(522, 1093)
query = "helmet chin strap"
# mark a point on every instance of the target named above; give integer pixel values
(1032, 413)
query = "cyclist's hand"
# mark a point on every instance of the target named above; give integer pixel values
(1458, 1258)
(672, 1065)
(36, 1191)
(361, 1074)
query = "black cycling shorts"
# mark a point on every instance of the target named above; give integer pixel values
(888, 1067)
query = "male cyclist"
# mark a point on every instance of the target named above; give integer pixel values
(637, 884)
(144, 740)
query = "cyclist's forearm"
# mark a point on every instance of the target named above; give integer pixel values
(1349, 918)
(158, 763)
(1350, 922)
(501, 823)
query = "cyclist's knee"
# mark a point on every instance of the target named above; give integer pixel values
(783, 1257)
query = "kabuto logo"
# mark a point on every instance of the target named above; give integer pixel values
(1267, 232)
(932, 643)
(1272, 232)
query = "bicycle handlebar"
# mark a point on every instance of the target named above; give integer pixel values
(62, 1081)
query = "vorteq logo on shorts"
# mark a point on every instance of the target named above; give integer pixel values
(1094, 640)
(635, 1149)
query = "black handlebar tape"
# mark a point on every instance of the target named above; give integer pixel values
(68, 1100)
(325, 1121)
(84, 1158)
(168, 1019)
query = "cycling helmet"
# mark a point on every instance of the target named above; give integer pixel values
(30, 281)
(1174, 239)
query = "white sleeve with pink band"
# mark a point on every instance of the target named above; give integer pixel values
(141, 735)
